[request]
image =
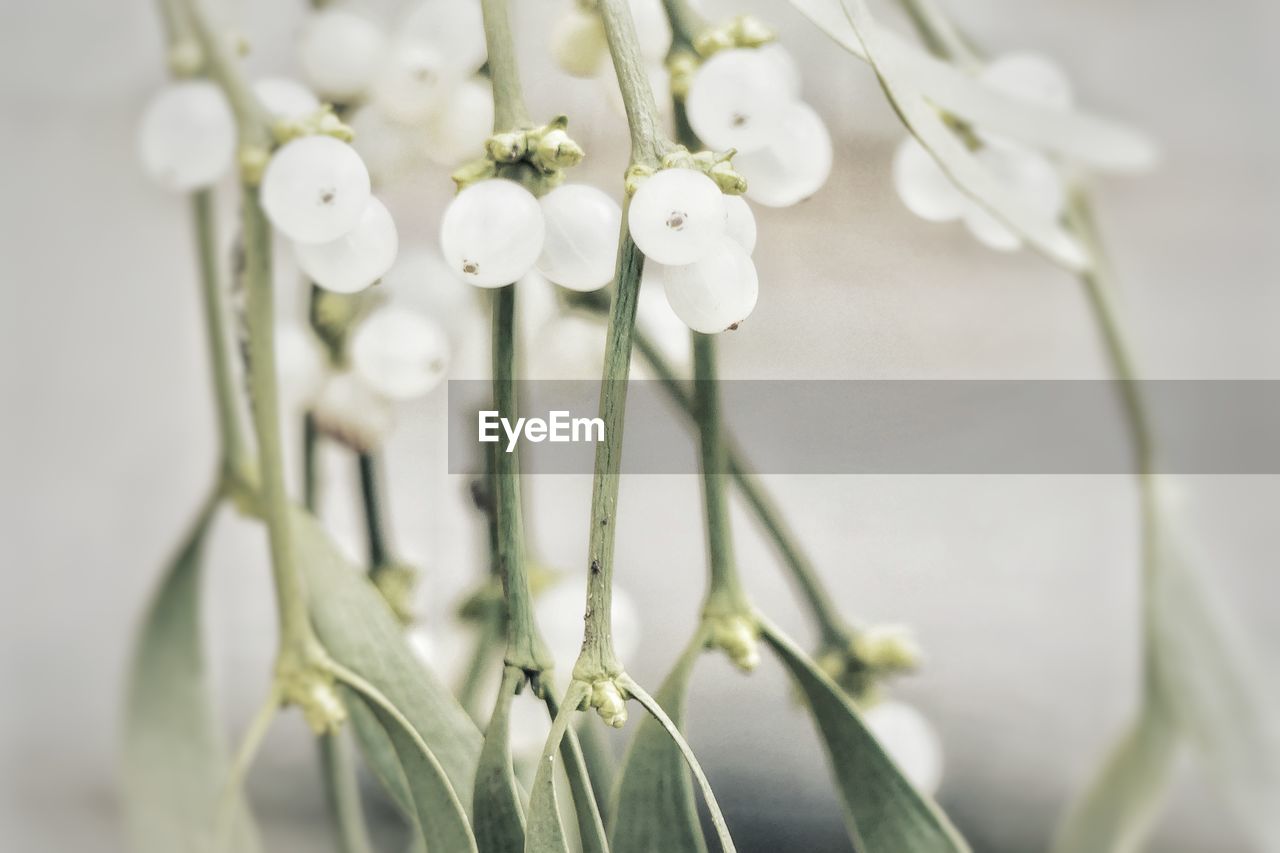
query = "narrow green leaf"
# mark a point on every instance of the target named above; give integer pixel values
(1219, 696)
(499, 817)
(362, 634)
(380, 755)
(655, 710)
(885, 812)
(544, 833)
(440, 818)
(590, 824)
(342, 790)
(1117, 809)
(174, 759)
(654, 804)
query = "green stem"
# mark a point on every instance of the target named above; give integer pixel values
(343, 793)
(724, 592)
(370, 499)
(235, 457)
(310, 462)
(509, 111)
(524, 648)
(648, 142)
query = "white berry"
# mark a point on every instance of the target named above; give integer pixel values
(716, 293)
(285, 99)
(301, 363)
(1031, 77)
(453, 28)
(421, 280)
(340, 52)
(358, 258)
(910, 740)
(578, 42)
(740, 222)
(400, 353)
(677, 216)
(492, 233)
(187, 137)
(353, 412)
(388, 148)
(796, 162)
(414, 83)
(315, 189)
(784, 65)
(922, 185)
(581, 244)
(737, 100)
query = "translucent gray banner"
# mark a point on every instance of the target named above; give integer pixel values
(888, 427)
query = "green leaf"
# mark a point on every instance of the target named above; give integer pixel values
(361, 633)
(1074, 135)
(440, 818)
(544, 833)
(1219, 696)
(655, 710)
(591, 832)
(885, 812)
(499, 817)
(654, 804)
(1117, 809)
(175, 761)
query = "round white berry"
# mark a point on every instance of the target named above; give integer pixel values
(458, 131)
(358, 258)
(353, 412)
(1030, 177)
(1030, 76)
(187, 137)
(910, 740)
(492, 233)
(399, 353)
(740, 222)
(737, 99)
(660, 325)
(315, 189)
(301, 363)
(784, 66)
(414, 83)
(421, 280)
(716, 293)
(452, 28)
(796, 162)
(578, 42)
(340, 52)
(285, 99)
(582, 237)
(922, 185)
(676, 216)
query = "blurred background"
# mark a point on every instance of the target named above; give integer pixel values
(1022, 589)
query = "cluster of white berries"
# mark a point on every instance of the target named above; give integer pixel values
(579, 47)
(748, 99)
(1026, 173)
(495, 231)
(698, 243)
(420, 95)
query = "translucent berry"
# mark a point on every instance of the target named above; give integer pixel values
(452, 28)
(187, 137)
(1030, 76)
(677, 216)
(285, 99)
(358, 258)
(421, 280)
(910, 740)
(492, 233)
(414, 83)
(399, 353)
(784, 65)
(458, 131)
(340, 52)
(1030, 177)
(740, 222)
(578, 42)
(716, 293)
(659, 324)
(315, 189)
(922, 185)
(582, 237)
(737, 99)
(796, 162)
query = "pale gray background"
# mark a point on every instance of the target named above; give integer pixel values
(1022, 589)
